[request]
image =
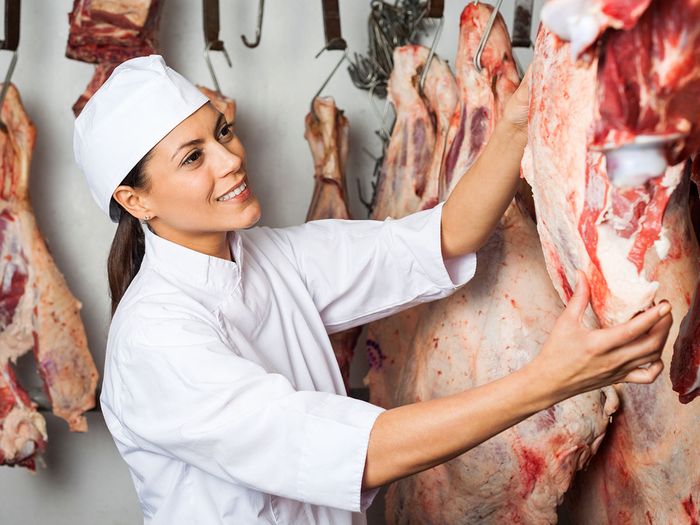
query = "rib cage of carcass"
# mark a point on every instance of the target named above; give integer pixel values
(37, 310)
(635, 243)
(489, 328)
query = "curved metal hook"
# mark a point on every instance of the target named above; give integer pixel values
(431, 53)
(5, 86)
(211, 69)
(258, 29)
(485, 35)
(325, 82)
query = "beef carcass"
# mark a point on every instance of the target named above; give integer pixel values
(412, 141)
(403, 170)
(489, 328)
(107, 32)
(327, 135)
(614, 235)
(582, 21)
(38, 310)
(480, 105)
(647, 470)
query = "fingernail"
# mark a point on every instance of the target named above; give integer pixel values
(664, 309)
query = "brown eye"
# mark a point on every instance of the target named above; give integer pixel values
(226, 131)
(193, 158)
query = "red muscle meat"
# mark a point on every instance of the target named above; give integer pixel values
(37, 310)
(649, 85)
(327, 134)
(107, 32)
(582, 21)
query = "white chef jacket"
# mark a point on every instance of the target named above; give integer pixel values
(221, 389)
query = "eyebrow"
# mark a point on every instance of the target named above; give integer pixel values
(199, 141)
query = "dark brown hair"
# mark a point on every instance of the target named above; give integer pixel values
(128, 247)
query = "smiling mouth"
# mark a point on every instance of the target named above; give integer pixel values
(234, 192)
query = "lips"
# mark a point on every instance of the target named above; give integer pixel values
(232, 188)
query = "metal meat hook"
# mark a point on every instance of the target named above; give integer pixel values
(211, 68)
(211, 36)
(258, 29)
(330, 45)
(485, 35)
(431, 53)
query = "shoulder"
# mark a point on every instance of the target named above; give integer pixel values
(157, 315)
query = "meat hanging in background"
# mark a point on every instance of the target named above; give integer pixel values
(106, 33)
(492, 326)
(635, 245)
(37, 310)
(408, 182)
(327, 134)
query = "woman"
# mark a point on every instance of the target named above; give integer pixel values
(220, 387)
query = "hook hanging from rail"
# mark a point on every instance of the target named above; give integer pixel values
(485, 35)
(431, 54)
(258, 29)
(10, 43)
(211, 37)
(325, 82)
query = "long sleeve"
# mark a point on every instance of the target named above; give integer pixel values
(185, 393)
(358, 271)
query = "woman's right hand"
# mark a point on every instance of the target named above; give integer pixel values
(576, 359)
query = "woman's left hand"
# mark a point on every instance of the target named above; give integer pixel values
(518, 105)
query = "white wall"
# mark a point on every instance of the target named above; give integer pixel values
(85, 481)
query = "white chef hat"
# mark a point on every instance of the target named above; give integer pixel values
(139, 104)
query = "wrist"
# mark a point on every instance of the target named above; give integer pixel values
(514, 132)
(541, 389)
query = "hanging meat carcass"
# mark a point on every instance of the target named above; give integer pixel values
(107, 32)
(411, 165)
(37, 310)
(487, 329)
(327, 135)
(647, 470)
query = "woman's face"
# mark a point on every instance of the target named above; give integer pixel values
(198, 181)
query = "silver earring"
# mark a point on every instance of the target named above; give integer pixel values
(146, 218)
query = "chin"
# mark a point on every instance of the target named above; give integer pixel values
(249, 217)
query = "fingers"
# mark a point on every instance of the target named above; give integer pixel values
(579, 301)
(645, 375)
(625, 333)
(648, 343)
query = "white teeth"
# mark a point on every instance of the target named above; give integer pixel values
(234, 193)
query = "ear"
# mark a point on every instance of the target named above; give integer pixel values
(132, 201)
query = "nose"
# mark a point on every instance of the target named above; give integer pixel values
(227, 161)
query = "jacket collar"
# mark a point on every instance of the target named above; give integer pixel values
(217, 275)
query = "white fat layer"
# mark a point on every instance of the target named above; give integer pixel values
(662, 245)
(633, 165)
(577, 21)
(630, 291)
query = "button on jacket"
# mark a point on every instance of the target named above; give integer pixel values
(221, 389)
